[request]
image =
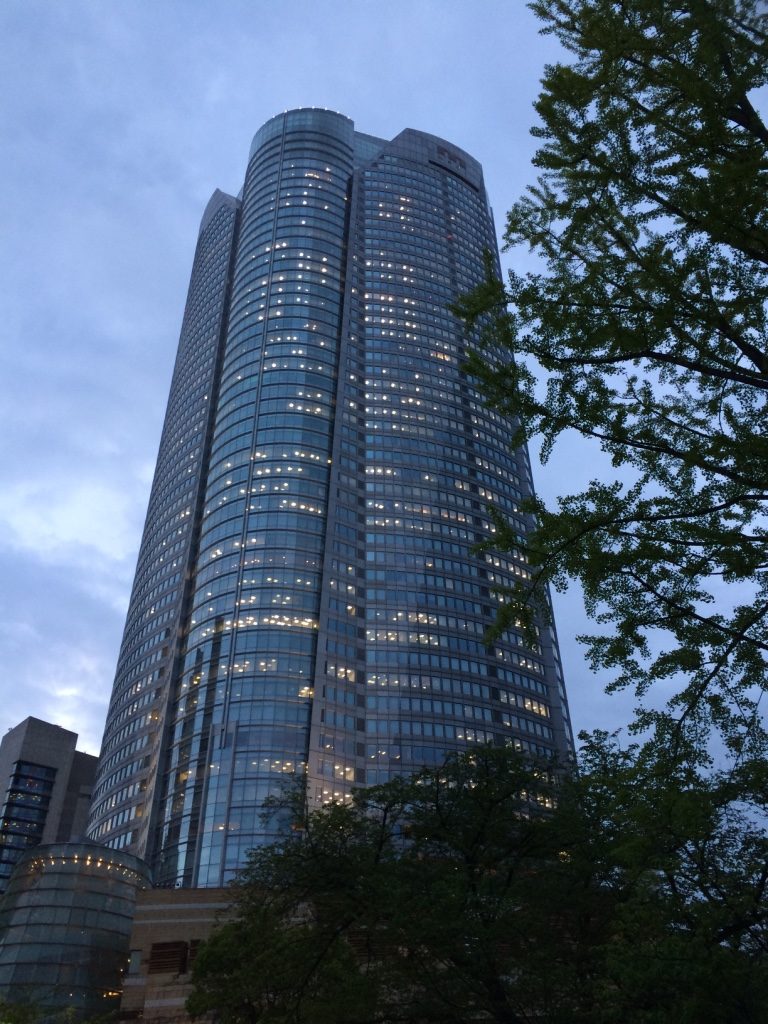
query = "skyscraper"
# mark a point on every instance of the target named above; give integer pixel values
(308, 593)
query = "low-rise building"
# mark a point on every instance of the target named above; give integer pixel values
(65, 922)
(45, 790)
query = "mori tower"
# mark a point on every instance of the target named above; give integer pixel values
(309, 594)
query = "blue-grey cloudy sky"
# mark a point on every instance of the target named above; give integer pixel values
(118, 119)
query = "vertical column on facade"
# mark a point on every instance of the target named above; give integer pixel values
(336, 760)
(130, 762)
(250, 654)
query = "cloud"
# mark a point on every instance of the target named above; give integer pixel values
(86, 529)
(61, 681)
(54, 520)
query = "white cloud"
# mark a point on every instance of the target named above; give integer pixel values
(72, 684)
(54, 520)
(61, 682)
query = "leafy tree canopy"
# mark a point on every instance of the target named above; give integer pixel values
(647, 320)
(481, 891)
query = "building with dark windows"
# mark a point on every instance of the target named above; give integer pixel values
(308, 595)
(46, 790)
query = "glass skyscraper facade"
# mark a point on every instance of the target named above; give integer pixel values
(308, 595)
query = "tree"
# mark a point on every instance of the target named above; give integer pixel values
(28, 1012)
(647, 320)
(483, 891)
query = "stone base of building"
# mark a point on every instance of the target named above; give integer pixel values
(168, 926)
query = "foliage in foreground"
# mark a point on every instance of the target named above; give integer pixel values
(639, 896)
(27, 1011)
(648, 322)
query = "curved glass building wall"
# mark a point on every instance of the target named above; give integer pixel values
(133, 743)
(333, 613)
(247, 676)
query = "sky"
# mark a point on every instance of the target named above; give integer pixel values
(118, 119)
